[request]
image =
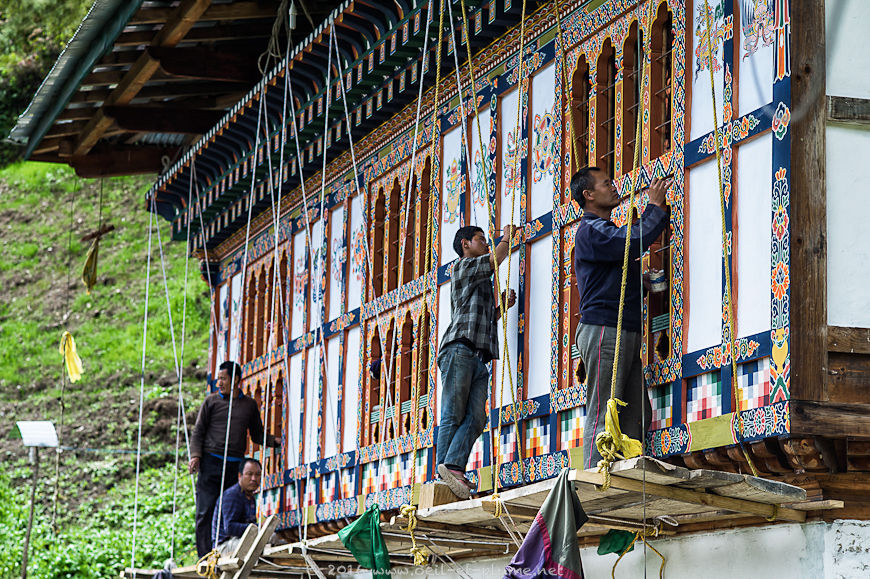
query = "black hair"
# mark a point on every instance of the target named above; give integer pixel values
(467, 232)
(233, 369)
(245, 461)
(581, 181)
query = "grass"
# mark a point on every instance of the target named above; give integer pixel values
(44, 210)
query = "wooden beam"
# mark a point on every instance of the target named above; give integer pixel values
(207, 64)
(251, 556)
(178, 89)
(849, 340)
(229, 11)
(809, 418)
(132, 161)
(163, 119)
(848, 110)
(222, 32)
(182, 19)
(808, 265)
(67, 129)
(848, 378)
(691, 496)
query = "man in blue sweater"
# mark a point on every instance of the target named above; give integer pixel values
(238, 508)
(599, 248)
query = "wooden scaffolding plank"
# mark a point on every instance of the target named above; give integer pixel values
(747, 487)
(691, 496)
(251, 555)
(651, 470)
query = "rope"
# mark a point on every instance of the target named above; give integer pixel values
(207, 566)
(642, 535)
(611, 443)
(490, 211)
(557, 7)
(419, 553)
(256, 152)
(142, 388)
(415, 399)
(731, 339)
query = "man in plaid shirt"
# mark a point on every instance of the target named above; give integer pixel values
(469, 344)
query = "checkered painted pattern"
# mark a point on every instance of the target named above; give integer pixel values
(704, 396)
(661, 399)
(348, 482)
(369, 477)
(475, 459)
(754, 381)
(269, 502)
(420, 473)
(290, 497)
(571, 427)
(327, 488)
(311, 492)
(507, 443)
(391, 474)
(537, 436)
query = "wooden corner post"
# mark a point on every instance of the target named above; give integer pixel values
(808, 314)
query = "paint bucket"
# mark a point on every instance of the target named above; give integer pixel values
(658, 281)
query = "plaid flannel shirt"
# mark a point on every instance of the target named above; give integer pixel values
(473, 307)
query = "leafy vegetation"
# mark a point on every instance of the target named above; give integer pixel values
(44, 210)
(28, 49)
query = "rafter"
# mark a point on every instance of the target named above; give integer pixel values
(163, 119)
(233, 11)
(177, 25)
(206, 64)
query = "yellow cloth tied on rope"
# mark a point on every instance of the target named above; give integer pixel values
(612, 443)
(70, 357)
(89, 272)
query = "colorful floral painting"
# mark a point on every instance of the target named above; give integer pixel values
(478, 185)
(512, 165)
(716, 16)
(758, 25)
(299, 283)
(317, 270)
(339, 256)
(358, 253)
(453, 185)
(544, 150)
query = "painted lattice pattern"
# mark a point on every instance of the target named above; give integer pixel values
(571, 427)
(348, 482)
(507, 444)
(327, 488)
(311, 492)
(537, 436)
(270, 502)
(661, 399)
(405, 467)
(475, 459)
(754, 381)
(291, 502)
(704, 396)
(369, 478)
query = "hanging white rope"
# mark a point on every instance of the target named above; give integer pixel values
(142, 390)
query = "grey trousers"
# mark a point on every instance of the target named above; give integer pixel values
(597, 346)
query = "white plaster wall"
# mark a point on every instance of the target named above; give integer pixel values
(848, 204)
(811, 551)
(848, 65)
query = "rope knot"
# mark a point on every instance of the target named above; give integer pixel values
(410, 513)
(207, 566)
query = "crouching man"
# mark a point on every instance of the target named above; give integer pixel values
(238, 508)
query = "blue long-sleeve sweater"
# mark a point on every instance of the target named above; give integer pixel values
(599, 247)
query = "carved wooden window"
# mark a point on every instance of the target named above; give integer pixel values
(605, 108)
(580, 88)
(406, 401)
(394, 218)
(270, 297)
(661, 77)
(631, 64)
(373, 375)
(276, 464)
(250, 317)
(410, 232)
(423, 370)
(261, 314)
(422, 257)
(283, 304)
(377, 254)
(389, 371)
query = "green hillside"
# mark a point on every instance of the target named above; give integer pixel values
(44, 210)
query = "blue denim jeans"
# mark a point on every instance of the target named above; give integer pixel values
(465, 380)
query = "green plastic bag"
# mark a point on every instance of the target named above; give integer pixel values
(615, 542)
(364, 541)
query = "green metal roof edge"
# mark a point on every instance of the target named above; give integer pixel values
(95, 35)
